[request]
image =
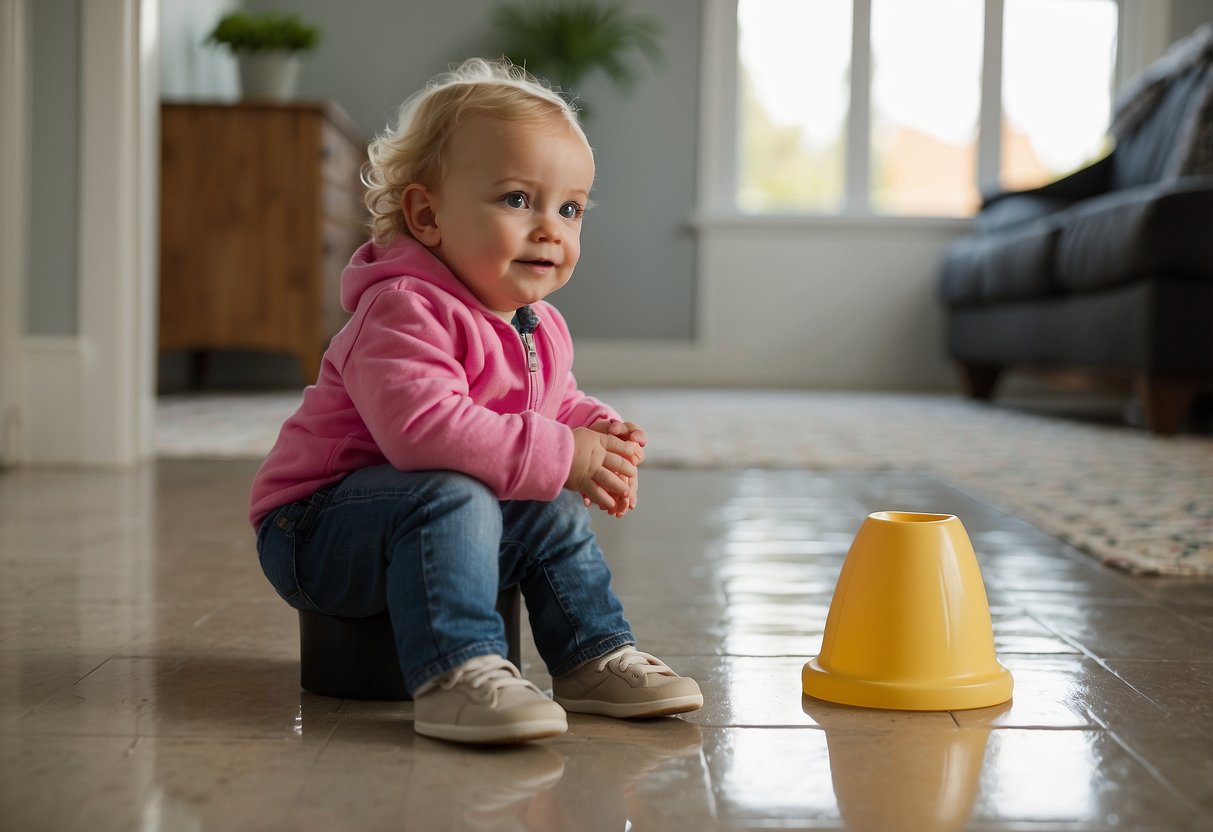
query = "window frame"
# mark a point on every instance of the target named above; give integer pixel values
(1142, 36)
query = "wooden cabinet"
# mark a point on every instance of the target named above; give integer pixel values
(260, 209)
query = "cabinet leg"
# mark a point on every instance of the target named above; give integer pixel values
(1165, 402)
(979, 380)
(200, 368)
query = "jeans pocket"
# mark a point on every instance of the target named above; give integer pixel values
(306, 516)
(283, 540)
(276, 553)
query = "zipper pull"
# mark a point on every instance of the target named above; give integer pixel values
(532, 359)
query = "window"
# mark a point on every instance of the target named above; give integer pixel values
(926, 98)
(793, 68)
(1058, 62)
(860, 107)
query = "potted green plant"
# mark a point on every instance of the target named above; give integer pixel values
(268, 47)
(565, 41)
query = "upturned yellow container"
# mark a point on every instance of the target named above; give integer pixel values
(909, 624)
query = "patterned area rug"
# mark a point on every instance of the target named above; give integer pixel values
(1132, 500)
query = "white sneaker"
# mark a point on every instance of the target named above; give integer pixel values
(627, 683)
(486, 700)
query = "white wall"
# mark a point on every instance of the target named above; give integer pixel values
(825, 304)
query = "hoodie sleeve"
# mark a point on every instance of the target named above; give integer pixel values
(405, 374)
(580, 410)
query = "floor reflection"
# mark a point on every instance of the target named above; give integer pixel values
(582, 782)
(453, 787)
(1046, 775)
(927, 775)
(604, 774)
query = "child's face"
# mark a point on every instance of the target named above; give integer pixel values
(508, 212)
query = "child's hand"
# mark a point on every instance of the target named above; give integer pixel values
(602, 469)
(631, 432)
(628, 431)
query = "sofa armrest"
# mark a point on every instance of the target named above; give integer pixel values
(1156, 229)
(1094, 179)
(1006, 209)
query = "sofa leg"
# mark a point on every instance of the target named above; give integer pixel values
(1165, 402)
(980, 380)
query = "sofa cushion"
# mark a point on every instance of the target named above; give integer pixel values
(1014, 264)
(1163, 229)
(1160, 325)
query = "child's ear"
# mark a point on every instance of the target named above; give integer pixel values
(417, 203)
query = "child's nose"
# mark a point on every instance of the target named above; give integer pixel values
(547, 229)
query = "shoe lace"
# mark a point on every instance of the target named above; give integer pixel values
(631, 657)
(490, 672)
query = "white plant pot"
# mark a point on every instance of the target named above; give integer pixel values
(268, 76)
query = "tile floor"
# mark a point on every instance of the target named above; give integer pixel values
(149, 679)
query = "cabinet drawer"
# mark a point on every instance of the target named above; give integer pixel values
(260, 211)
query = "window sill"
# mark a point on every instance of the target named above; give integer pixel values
(734, 221)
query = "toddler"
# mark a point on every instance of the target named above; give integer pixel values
(445, 452)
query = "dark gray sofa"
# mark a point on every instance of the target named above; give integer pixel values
(1109, 270)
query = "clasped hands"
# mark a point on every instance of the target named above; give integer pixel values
(604, 468)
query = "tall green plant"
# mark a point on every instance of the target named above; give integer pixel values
(567, 40)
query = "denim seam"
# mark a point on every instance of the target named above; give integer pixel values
(296, 540)
(423, 543)
(600, 648)
(584, 653)
(361, 496)
(357, 495)
(449, 662)
(313, 509)
(441, 667)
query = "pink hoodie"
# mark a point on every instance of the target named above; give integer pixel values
(424, 377)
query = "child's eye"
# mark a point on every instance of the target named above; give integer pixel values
(571, 210)
(517, 199)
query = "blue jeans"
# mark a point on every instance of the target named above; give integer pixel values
(434, 548)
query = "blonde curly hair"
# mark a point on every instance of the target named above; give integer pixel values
(413, 148)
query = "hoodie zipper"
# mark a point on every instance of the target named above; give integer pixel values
(532, 365)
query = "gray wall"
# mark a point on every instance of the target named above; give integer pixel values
(637, 270)
(187, 68)
(1187, 15)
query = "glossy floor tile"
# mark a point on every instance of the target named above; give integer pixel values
(149, 679)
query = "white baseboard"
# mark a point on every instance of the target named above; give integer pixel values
(49, 426)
